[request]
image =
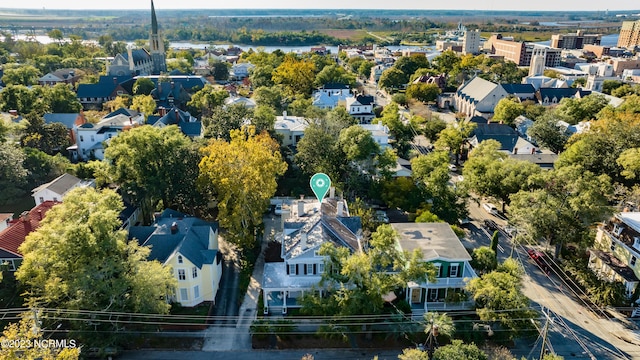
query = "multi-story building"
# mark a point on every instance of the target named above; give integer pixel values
(574, 41)
(471, 42)
(629, 34)
(617, 250)
(520, 52)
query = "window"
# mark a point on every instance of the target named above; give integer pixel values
(453, 270)
(81, 138)
(309, 269)
(41, 199)
(93, 138)
(55, 199)
(194, 272)
(181, 274)
(292, 269)
(180, 259)
(196, 292)
(438, 269)
(633, 261)
(184, 294)
(320, 268)
(613, 246)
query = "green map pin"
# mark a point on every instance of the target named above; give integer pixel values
(320, 184)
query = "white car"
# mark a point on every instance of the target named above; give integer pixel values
(490, 208)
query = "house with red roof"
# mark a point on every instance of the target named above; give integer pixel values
(5, 218)
(13, 236)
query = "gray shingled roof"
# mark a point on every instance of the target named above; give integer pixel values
(67, 119)
(435, 240)
(60, 185)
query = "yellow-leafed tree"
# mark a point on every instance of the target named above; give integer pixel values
(241, 176)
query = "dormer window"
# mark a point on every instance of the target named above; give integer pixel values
(617, 229)
(636, 243)
(180, 261)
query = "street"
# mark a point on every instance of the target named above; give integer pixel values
(574, 331)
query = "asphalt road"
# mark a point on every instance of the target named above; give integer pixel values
(574, 330)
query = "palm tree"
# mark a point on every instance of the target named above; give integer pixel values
(438, 324)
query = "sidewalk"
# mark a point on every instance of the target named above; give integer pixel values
(230, 338)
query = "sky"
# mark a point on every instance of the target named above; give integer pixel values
(547, 5)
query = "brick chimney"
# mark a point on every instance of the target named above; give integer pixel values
(174, 228)
(177, 115)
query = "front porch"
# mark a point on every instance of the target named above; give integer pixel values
(279, 301)
(610, 268)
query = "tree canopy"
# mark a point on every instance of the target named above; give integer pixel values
(108, 273)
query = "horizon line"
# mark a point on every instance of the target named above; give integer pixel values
(322, 9)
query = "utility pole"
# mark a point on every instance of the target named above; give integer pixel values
(544, 337)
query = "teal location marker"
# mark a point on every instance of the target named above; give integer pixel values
(320, 184)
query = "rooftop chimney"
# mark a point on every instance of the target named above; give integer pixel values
(301, 208)
(174, 228)
(177, 115)
(340, 208)
(115, 80)
(39, 214)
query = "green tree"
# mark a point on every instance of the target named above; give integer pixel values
(230, 171)
(355, 286)
(12, 172)
(423, 92)
(357, 143)
(224, 120)
(458, 350)
(452, 137)
(144, 164)
(108, 273)
(576, 110)
(630, 162)
(568, 198)
(431, 128)
(547, 133)
(391, 79)
(144, 104)
(261, 76)
(143, 86)
(219, 69)
(42, 167)
(484, 259)
(26, 75)
(334, 74)
(264, 118)
(507, 110)
(501, 290)
(205, 100)
(494, 241)
(492, 173)
(62, 99)
(272, 97)
(609, 85)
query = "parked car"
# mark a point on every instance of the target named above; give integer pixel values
(464, 221)
(278, 209)
(490, 224)
(382, 217)
(539, 258)
(490, 208)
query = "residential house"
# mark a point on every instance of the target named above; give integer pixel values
(379, 133)
(189, 246)
(478, 97)
(93, 96)
(170, 94)
(70, 120)
(440, 80)
(240, 71)
(60, 76)
(377, 71)
(188, 124)
(402, 168)
(190, 83)
(305, 227)
(291, 128)
(617, 250)
(330, 95)
(523, 124)
(246, 102)
(545, 159)
(58, 188)
(361, 108)
(17, 230)
(91, 138)
(508, 138)
(441, 247)
(5, 219)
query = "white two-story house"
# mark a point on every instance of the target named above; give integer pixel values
(90, 138)
(361, 108)
(306, 226)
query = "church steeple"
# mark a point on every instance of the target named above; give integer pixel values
(156, 45)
